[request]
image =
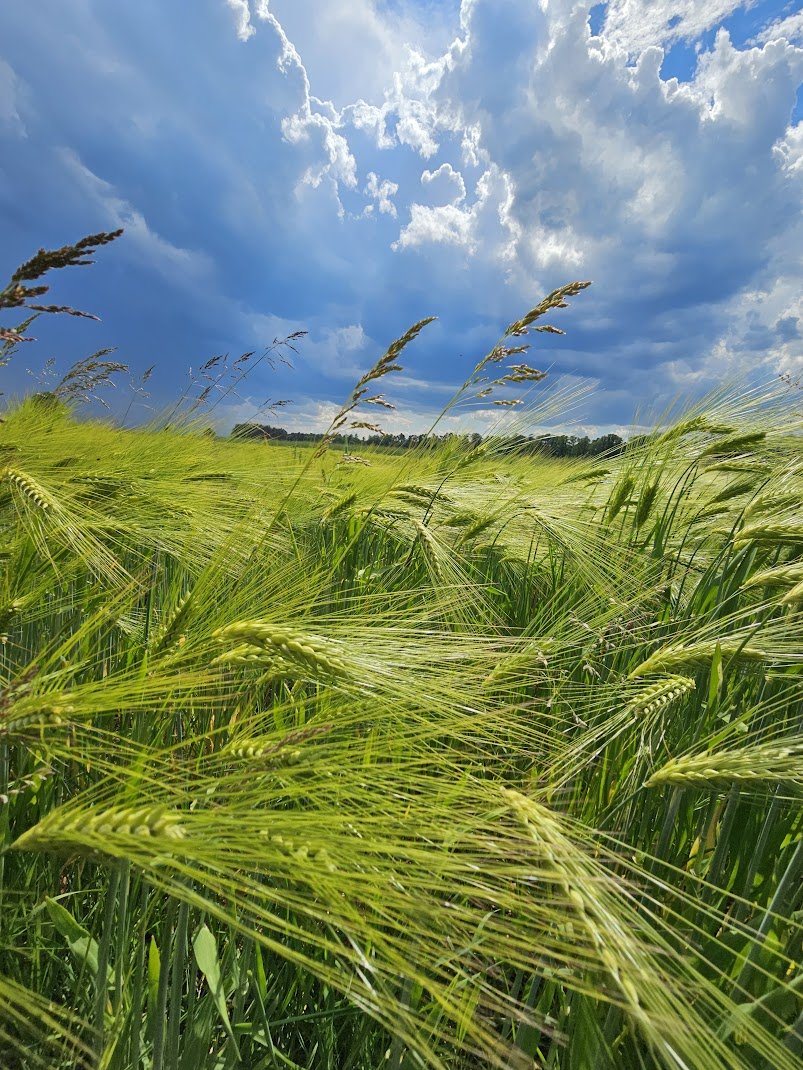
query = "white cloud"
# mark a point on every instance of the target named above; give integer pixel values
(382, 192)
(789, 150)
(555, 155)
(684, 194)
(352, 47)
(10, 89)
(310, 415)
(447, 224)
(750, 87)
(187, 268)
(445, 183)
(408, 382)
(409, 114)
(483, 224)
(631, 26)
(338, 160)
(313, 120)
(242, 15)
(341, 353)
(790, 28)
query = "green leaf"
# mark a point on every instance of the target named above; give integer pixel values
(717, 677)
(206, 956)
(79, 940)
(781, 1003)
(154, 969)
(260, 977)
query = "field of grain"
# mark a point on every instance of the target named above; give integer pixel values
(444, 759)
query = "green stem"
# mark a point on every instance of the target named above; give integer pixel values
(790, 879)
(101, 980)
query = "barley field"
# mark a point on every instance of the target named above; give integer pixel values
(349, 758)
(450, 758)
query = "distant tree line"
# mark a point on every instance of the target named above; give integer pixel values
(551, 445)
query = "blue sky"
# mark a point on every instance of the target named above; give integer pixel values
(349, 168)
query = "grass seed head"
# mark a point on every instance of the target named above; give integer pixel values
(255, 639)
(29, 488)
(769, 532)
(780, 576)
(85, 832)
(621, 493)
(769, 763)
(683, 655)
(661, 693)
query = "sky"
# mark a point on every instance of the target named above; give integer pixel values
(349, 168)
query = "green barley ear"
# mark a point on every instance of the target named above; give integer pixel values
(795, 594)
(338, 507)
(265, 749)
(732, 445)
(102, 831)
(687, 655)
(735, 490)
(430, 547)
(771, 503)
(582, 891)
(768, 532)
(646, 502)
(169, 632)
(525, 664)
(780, 763)
(420, 495)
(259, 640)
(24, 713)
(28, 488)
(34, 718)
(779, 576)
(621, 493)
(660, 694)
(472, 530)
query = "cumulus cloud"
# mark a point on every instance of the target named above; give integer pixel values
(339, 352)
(447, 224)
(634, 25)
(409, 114)
(351, 47)
(790, 28)
(313, 118)
(382, 192)
(483, 223)
(445, 183)
(789, 151)
(242, 15)
(752, 88)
